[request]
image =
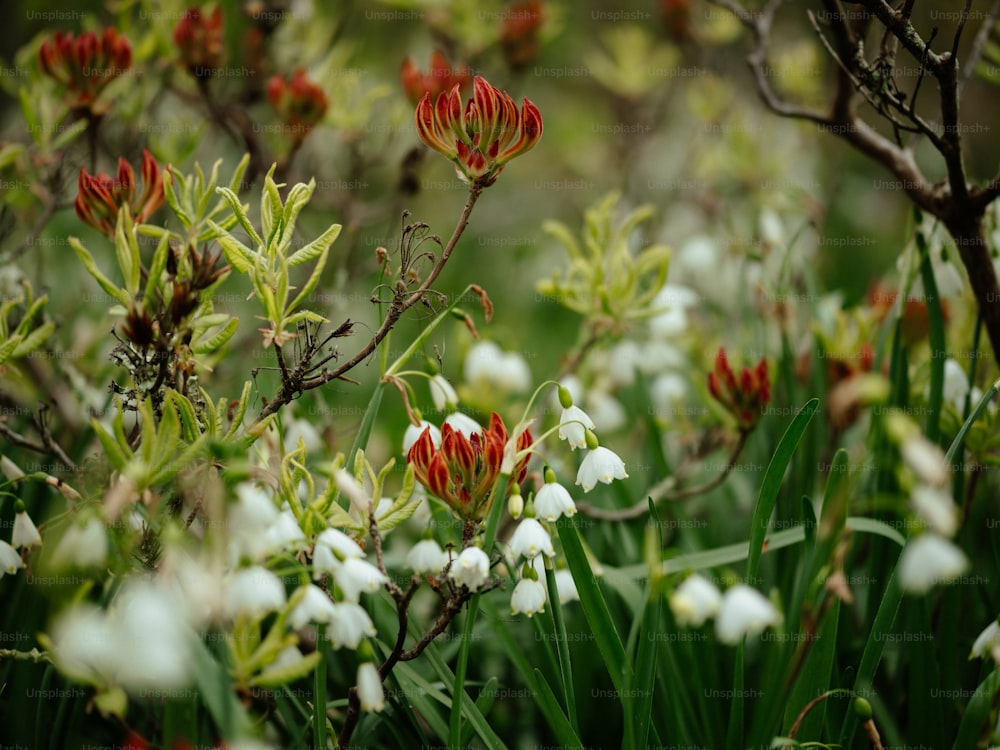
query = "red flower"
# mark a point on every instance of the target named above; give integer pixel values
(482, 139)
(199, 38)
(85, 64)
(519, 36)
(745, 396)
(442, 77)
(101, 197)
(464, 471)
(299, 102)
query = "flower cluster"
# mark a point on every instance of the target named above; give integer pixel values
(464, 469)
(483, 137)
(299, 102)
(744, 397)
(101, 197)
(198, 36)
(441, 78)
(86, 64)
(742, 611)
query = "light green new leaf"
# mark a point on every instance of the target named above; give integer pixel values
(218, 340)
(315, 248)
(105, 283)
(237, 254)
(241, 213)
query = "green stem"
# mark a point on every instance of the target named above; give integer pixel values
(559, 628)
(492, 524)
(319, 691)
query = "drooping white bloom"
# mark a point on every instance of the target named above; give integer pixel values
(426, 556)
(254, 591)
(695, 601)
(463, 423)
(744, 611)
(925, 459)
(356, 576)
(528, 597)
(10, 560)
(471, 568)
(250, 517)
(929, 560)
(86, 647)
(623, 359)
(672, 301)
(666, 392)
(553, 500)
(315, 606)
(956, 384)
(198, 583)
(349, 625)
(442, 393)
(573, 426)
(340, 543)
(284, 533)
(936, 509)
(566, 586)
(414, 431)
(287, 657)
(370, 691)
(302, 429)
(83, 546)
(600, 465)
(530, 539)
(988, 642)
(350, 488)
(153, 640)
(606, 411)
(487, 366)
(25, 533)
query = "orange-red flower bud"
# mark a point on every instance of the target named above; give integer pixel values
(441, 78)
(100, 197)
(299, 102)
(198, 37)
(743, 396)
(85, 65)
(519, 36)
(481, 140)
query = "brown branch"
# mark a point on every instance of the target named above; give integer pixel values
(402, 301)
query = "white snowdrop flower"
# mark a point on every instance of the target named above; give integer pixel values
(198, 584)
(488, 366)
(929, 560)
(528, 597)
(10, 560)
(463, 423)
(358, 576)
(254, 591)
(350, 488)
(426, 556)
(695, 601)
(86, 644)
(660, 356)
(471, 568)
(285, 533)
(83, 546)
(936, 509)
(600, 465)
(349, 625)
(315, 606)
(925, 459)
(566, 586)
(672, 302)
(302, 429)
(370, 691)
(552, 501)
(442, 393)
(606, 411)
(153, 639)
(530, 539)
(324, 561)
(667, 392)
(956, 384)
(414, 431)
(772, 231)
(698, 260)
(623, 360)
(254, 509)
(340, 543)
(573, 425)
(987, 643)
(25, 533)
(744, 611)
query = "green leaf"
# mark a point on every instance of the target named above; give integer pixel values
(189, 419)
(240, 212)
(217, 692)
(105, 283)
(284, 675)
(217, 340)
(315, 248)
(314, 278)
(238, 255)
(241, 409)
(271, 211)
(69, 133)
(939, 352)
(595, 609)
(557, 720)
(772, 483)
(127, 251)
(118, 458)
(32, 341)
(956, 444)
(156, 268)
(976, 716)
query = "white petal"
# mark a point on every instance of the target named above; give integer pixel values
(744, 611)
(528, 597)
(695, 600)
(929, 560)
(370, 691)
